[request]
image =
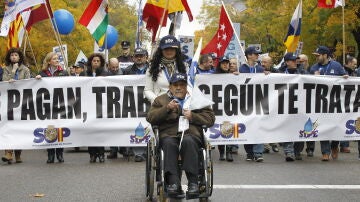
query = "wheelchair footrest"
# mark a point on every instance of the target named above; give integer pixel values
(177, 196)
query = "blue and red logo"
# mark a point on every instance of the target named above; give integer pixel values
(50, 134)
(227, 130)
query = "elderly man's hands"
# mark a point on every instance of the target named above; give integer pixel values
(173, 106)
(187, 114)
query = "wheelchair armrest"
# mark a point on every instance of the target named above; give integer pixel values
(156, 133)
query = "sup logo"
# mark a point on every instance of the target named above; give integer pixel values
(141, 135)
(50, 134)
(352, 126)
(227, 130)
(309, 129)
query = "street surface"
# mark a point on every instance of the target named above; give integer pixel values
(120, 180)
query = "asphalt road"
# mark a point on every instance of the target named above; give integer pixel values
(120, 180)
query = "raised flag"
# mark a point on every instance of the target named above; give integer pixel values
(196, 99)
(330, 3)
(222, 38)
(95, 19)
(13, 36)
(12, 9)
(293, 36)
(39, 13)
(154, 10)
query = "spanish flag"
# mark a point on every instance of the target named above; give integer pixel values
(293, 36)
(154, 10)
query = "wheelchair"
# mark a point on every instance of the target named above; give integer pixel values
(155, 176)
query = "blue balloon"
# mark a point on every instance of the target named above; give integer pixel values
(111, 37)
(64, 21)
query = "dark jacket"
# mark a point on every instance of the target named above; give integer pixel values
(58, 72)
(132, 69)
(168, 122)
(284, 69)
(99, 72)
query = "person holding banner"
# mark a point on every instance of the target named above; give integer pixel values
(15, 69)
(166, 61)
(326, 66)
(292, 150)
(205, 65)
(224, 67)
(166, 112)
(96, 67)
(253, 151)
(139, 67)
(51, 68)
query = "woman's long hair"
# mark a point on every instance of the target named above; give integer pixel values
(18, 51)
(155, 63)
(99, 70)
(47, 60)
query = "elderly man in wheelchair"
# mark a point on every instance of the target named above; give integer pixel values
(180, 134)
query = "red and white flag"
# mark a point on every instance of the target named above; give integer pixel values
(222, 38)
(330, 3)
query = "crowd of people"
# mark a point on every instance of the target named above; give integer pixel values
(167, 62)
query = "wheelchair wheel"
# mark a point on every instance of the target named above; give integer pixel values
(149, 171)
(210, 170)
(161, 183)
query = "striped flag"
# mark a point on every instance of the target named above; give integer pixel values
(293, 36)
(196, 99)
(95, 19)
(17, 30)
(12, 9)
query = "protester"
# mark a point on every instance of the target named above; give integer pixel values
(253, 151)
(114, 67)
(166, 61)
(224, 67)
(205, 65)
(350, 68)
(304, 62)
(292, 150)
(139, 67)
(79, 69)
(72, 70)
(326, 66)
(165, 112)
(15, 69)
(51, 68)
(96, 67)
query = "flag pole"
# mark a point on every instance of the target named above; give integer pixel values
(343, 29)
(31, 49)
(57, 35)
(236, 35)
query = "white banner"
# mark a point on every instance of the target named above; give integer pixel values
(111, 111)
